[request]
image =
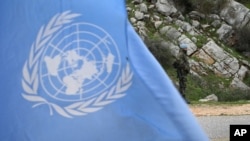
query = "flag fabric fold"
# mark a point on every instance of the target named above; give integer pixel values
(76, 70)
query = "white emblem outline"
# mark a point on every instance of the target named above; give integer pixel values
(30, 81)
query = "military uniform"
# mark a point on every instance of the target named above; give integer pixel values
(182, 66)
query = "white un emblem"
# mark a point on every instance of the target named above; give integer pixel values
(79, 62)
(76, 63)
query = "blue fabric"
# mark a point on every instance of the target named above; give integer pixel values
(77, 71)
(183, 46)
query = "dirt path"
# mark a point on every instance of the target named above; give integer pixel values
(220, 109)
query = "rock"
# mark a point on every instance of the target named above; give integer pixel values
(139, 15)
(224, 31)
(143, 8)
(235, 14)
(191, 46)
(216, 23)
(205, 26)
(174, 50)
(213, 17)
(168, 19)
(164, 7)
(156, 17)
(237, 83)
(204, 57)
(197, 67)
(184, 25)
(242, 72)
(246, 63)
(133, 20)
(210, 98)
(225, 65)
(196, 15)
(151, 6)
(195, 23)
(157, 24)
(170, 32)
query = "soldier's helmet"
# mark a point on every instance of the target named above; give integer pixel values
(183, 46)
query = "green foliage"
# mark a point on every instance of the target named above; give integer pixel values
(195, 88)
(242, 38)
(201, 40)
(234, 95)
(204, 6)
(161, 53)
(198, 88)
(247, 79)
(185, 6)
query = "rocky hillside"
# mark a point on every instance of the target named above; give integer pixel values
(209, 35)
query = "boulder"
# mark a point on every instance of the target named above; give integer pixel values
(224, 31)
(174, 50)
(237, 83)
(143, 8)
(225, 64)
(208, 98)
(242, 72)
(139, 15)
(191, 45)
(165, 7)
(235, 14)
(184, 25)
(157, 24)
(196, 67)
(204, 57)
(170, 32)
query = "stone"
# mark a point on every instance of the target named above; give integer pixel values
(197, 67)
(170, 32)
(235, 14)
(224, 31)
(196, 15)
(202, 56)
(174, 50)
(143, 8)
(133, 20)
(242, 72)
(184, 25)
(216, 23)
(210, 98)
(191, 45)
(216, 52)
(225, 65)
(166, 8)
(195, 23)
(139, 15)
(157, 24)
(237, 83)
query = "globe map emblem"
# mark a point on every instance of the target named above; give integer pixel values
(79, 62)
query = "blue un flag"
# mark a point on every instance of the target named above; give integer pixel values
(75, 70)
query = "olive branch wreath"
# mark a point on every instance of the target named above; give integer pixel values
(30, 81)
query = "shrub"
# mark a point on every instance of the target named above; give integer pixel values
(185, 6)
(242, 39)
(246, 79)
(234, 95)
(208, 6)
(162, 54)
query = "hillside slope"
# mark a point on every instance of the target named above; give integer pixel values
(211, 36)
